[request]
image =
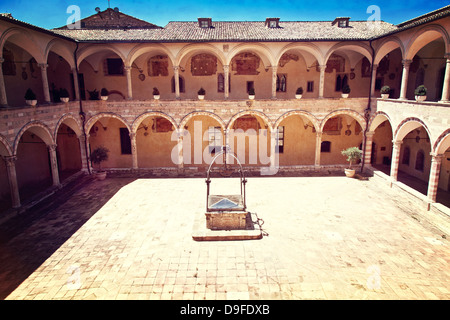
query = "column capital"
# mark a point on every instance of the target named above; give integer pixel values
(52, 147)
(406, 62)
(322, 67)
(319, 134)
(396, 143)
(43, 65)
(436, 157)
(132, 135)
(176, 68)
(446, 56)
(226, 68)
(274, 68)
(10, 160)
(370, 134)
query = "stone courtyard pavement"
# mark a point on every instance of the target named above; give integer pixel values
(130, 238)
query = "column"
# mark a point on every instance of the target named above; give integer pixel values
(76, 84)
(274, 82)
(3, 99)
(374, 78)
(226, 79)
(395, 159)
(446, 87)
(134, 151)
(54, 165)
(405, 75)
(176, 75)
(368, 147)
(12, 179)
(129, 86)
(180, 135)
(322, 80)
(44, 67)
(318, 147)
(84, 162)
(433, 182)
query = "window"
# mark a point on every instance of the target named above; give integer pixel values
(280, 140)
(215, 139)
(281, 83)
(420, 160)
(181, 80)
(325, 146)
(205, 22)
(342, 23)
(114, 67)
(272, 22)
(221, 83)
(310, 86)
(405, 158)
(341, 81)
(125, 141)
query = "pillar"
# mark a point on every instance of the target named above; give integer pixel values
(76, 84)
(3, 99)
(395, 159)
(374, 78)
(84, 162)
(446, 86)
(134, 151)
(54, 165)
(12, 179)
(226, 79)
(176, 75)
(274, 82)
(44, 67)
(180, 135)
(405, 75)
(368, 147)
(322, 80)
(436, 161)
(129, 85)
(318, 147)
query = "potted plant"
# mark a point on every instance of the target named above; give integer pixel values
(385, 90)
(156, 95)
(345, 91)
(99, 155)
(251, 93)
(64, 95)
(93, 95)
(421, 93)
(104, 94)
(30, 97)
(353, 154)
(298, 93)
(201, 94)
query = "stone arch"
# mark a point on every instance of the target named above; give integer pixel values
(442, 142)
(5, 147)
(144, 48)
(38, 128)
(387, 45)
(407, 125)
(98, 116)
(72, 122)
(259, 114)
(310, 48)
(261, 50)
(306, 114)
(376, 119)
(360, 48)
(359, 118)
(143, 116)
(92, 49)
(60, 48)
(191, 49)
(425, 35)
(25, 41)
(189, 116)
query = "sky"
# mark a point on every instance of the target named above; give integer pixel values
(53, 13)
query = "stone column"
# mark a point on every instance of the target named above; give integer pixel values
(446, 86)
(405, 75)
(322, 80)
(274, 82)
(134, 151)
(395, 159)
(226, 79)
(368, 147)
(3, 99)
(44, 67)
(12, 179)
(76, 84)
(54, 164)
(436, 161)
(129, 85)
(180, 135)
(176, 75)
(84, 162)
(374, 78)
(318, 147)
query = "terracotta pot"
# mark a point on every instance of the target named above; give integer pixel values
(344, 95)
(31, 102)
(201, 97)
(65, 99)
(421, 98)
(350, 173)
(156, 96)
(298, 96)
(385, 95)
(100, 175)
(104, 98)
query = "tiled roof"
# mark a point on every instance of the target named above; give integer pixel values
(236, 31)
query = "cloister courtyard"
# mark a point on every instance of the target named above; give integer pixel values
(128, 237)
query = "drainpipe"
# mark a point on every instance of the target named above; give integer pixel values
(81, 113)
(368, 109)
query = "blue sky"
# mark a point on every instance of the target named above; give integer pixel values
(53, 13)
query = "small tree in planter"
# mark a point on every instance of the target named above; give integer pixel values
(99, 155)
(299, 93)
(64, 95)
(385, 90)
(104, 94)
(345, 91)
(30, 97)
(156, 94)
(353, 154)
(93, 95)
(421, 93)
(251, 93)
(201, 94)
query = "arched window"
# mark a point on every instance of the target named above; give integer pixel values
(325, 146)
(406, 154)
(420, 160)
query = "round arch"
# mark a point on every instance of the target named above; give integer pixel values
(98, 116)
(153, 48)
(359, 118)
(72, 122)
(38, 128)
(407, 125)
(252, 113)
(191, 49)
(305, 114)
(24, 41)
(424, 36)
(142, 117)
(378, 118)
(442, 142)
(189, 116)
(302, 47)
(363, 49)
(94, 48)
(60, 48)
(261, 50)
(5, 147)
(387, 45)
